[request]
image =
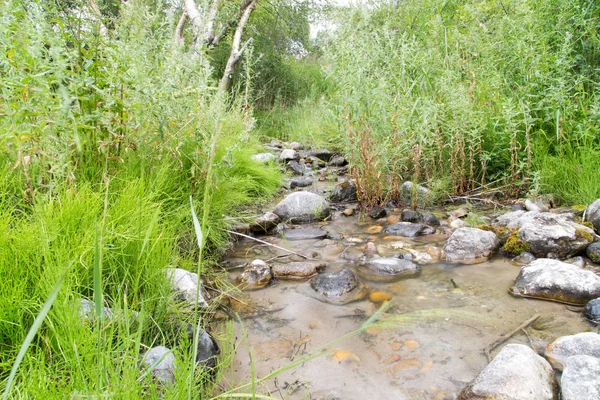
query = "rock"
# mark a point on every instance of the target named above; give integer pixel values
(516, 373)
(547, 234)
(87, 310)
(555, 280)
(592, 311)
(301, 207)
(419, 217)
(339, 287)
(289, 155)
(338, 161)
(298, 270)
(431, 256)
(408, 229)
(264, 158)
(265, 222)
(458, 213)
(164, 370)
(593, 252)
(185, 284)
(276, 143)
(322, 154)
(348, 212)
(592, 214)
(470, 246)
(370, 249)
(304, 234)
(409, 189)
(295, 167)
(536, 205)
(344, 192)
(576, 261)
(300, 182)
(317, 162)
(377, 212)
(256, 275)
(208, 350)
(241, 228)
(523, 259)
(383, 269)
(581, 379)
(457, 223)
(581, 344)
(295, 146)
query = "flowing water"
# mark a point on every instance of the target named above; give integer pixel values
(436, 328)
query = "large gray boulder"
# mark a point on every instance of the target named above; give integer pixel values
(517, 373)
(384, 269)
(592, 214)
(581, 379)
(582, 344)
(470, 246)
(547, 234)
(408, 229)
(164, 364)
(555, 280)
(338, 287)
(302, 207)
(185, 285)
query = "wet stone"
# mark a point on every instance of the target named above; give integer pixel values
(581, 379)
(288, 155)
(304, 234)
(297, 270)
(386, 269)
(516, 373)
(208, 350)
(370, 249)
(338, 161)
(523, 259)
(377, 212)
(581, 344)
(344, 192)
(257, 275)
(323, 154)
(348, 212)
(295, 167)
(408, 191)
(593, 252)
(299, 207)
(470, 246)
(408, 229)
(295, 146)
(593, 214)
(426, 218)
(555, 280)
(431, 256)
(339, 287)
(592, 311)
(576, 261)
(163, 372)
(264, 223)
(300, 182)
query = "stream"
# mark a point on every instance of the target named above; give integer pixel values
(437, 324)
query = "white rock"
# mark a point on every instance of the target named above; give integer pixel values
(581, 379)
(185, 284)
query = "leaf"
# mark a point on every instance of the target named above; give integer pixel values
(197, 227)
(341, 355)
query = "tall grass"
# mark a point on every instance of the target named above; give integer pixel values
(102, 142)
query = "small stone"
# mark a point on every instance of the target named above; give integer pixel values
(289, 155)
(457, 223)
(256, 275)
(408, 229)
(295, 167)
(379, 297)
(523, 259)
(372, 230)
(470, 246)
(344, 192)
(592, 311)
(264, 223)
(298, 270)
(393, 219)
(348, 212)
(164, 370)
(339, 287)
(577, 261)
(300, 182)
(420, 217)
(304, 234)
(383, 269)
(295, 146)
(185, 284)
(581, 344)
(377, 212)
(580, 379)
(592, 214)
(535, 205)
(264, 158)
(593, 252)
(323, 154)
(338, 161)
(276, 144)
(370, 249)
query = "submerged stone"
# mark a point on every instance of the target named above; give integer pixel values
(470, 246)
(426, 218)
(256, 275)
(339, 287)
(344, 192)
(555, 280)
(298, 270)
(377, 212)
(523, 259)
(304, 234)
(516, 373)
(387, 269)
(408, 229)
(300, 182)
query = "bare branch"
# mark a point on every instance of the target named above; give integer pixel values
(189, 8)
(96, 11)
(210, 25)
(216, 38)
(236, 52)
(180, 25)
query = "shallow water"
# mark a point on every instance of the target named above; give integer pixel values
(437, 324)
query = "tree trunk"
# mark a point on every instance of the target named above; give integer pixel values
(236, 51)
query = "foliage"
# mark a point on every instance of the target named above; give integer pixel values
(465, 89)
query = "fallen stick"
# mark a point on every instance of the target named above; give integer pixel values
(268, 244)
(487, 351)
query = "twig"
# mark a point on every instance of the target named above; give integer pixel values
(229, 295)
(268, 244)
(487, 351)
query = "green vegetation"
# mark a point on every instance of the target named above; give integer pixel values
(514, 245)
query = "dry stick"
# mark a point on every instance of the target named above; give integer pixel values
(229, 295)
(507, 336)
(268, 244)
